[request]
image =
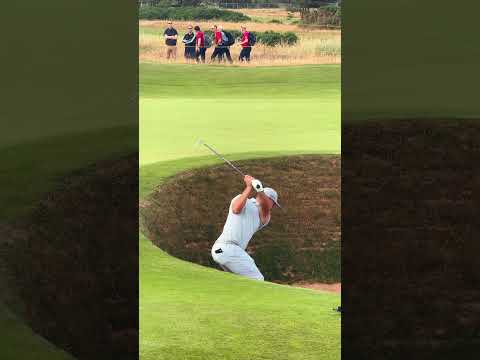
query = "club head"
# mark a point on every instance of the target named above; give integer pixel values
(199, 143)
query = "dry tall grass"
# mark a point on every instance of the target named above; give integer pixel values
(314, 46)
(279, 13)
(206, 25)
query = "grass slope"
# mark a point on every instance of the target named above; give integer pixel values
(293, 109)
(49, 159)
(69, 81)
(19, 342)
(191, 312)
(30, 170)
(57, 96)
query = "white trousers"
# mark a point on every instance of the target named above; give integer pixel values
(234, 259)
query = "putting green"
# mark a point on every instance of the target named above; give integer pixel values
(238, 110)
(191, 312)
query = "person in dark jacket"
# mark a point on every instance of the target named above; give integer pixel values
(170, 35)
(189, 41)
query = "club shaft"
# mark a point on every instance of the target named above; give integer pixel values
(221, 157)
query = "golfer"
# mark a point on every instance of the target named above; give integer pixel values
(245, 217)
(171, 35)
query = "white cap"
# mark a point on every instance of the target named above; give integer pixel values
(272, 194)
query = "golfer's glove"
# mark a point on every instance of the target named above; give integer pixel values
(257, 185)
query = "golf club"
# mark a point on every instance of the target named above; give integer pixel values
(255, 183)
(201, 142)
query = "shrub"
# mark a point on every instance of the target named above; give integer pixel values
(289, 38)
(272, 38)
(268, 38)
(189, 13)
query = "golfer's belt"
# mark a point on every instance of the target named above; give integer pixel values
(229, 243)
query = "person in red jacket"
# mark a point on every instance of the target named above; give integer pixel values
(218, 41)
(200, 48)
(245, 44)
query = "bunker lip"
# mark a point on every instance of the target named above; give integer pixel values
(335, 287)
(421, 168)
(301, 243)
(60, 259)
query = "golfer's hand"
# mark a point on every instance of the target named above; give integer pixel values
(257, 185)
(248, 181)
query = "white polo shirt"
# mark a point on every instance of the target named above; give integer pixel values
(239, 228)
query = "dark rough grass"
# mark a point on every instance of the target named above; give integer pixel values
(185, 215)
(72, 259)
(410, 239)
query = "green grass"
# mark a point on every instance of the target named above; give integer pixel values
(294, 109)
(19, 342)
(60, 93)
(31, 169)
(191, 312)
(403, 63)
(316, 82)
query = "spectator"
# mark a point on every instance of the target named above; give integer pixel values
(200, 45)
(226, 48)
(189, 41)
(171, 35)
(217, 40)
(245, 44)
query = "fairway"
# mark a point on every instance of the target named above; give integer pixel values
(293, 109)
(191, 312)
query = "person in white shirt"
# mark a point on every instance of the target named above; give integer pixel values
(246, 216)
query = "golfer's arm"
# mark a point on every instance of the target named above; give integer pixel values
(239, 202)
(264, 202)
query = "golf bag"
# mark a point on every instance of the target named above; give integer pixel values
(252, 39)
(229, 40)
(208, 42)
